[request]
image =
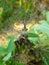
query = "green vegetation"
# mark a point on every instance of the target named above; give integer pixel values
(31, 48)
(11, 10)
(38, 46)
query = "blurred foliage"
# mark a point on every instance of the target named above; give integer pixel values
(20, 10)
(12, 10)
(6, 54)
(41, 38)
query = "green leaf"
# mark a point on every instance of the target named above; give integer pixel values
(47, 16)
(10, 47)
(2, 63)
(44, 60)
(1, 11)
(11, 2)
(7, 57)
(43, 29)
(2, 50)
(33, 40)
(32, 34)
(46, 55)
(44, 13)
(43, 22)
